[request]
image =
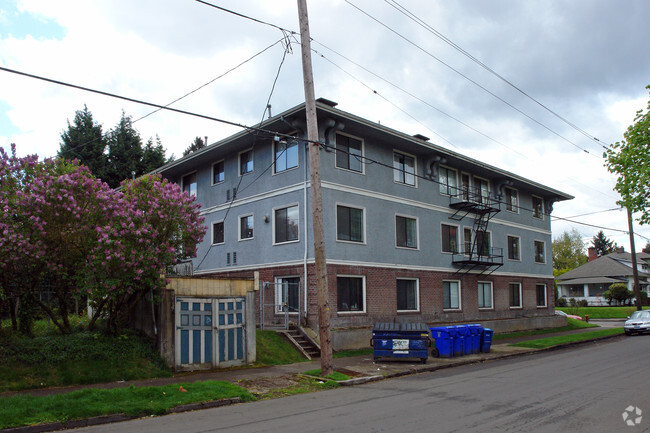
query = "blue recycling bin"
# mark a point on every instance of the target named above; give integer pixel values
(458, 339)
(465, 336)
(400, 340)
(444, 344)
(476, 331)
(486, 340)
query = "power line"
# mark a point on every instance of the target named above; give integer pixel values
(469, 79)
(246, 17)
(400, 8)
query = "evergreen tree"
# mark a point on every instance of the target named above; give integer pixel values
(124, 152)
(153, 156)
(197, 144)
(646, 249)
(603, 245)
(84, 141)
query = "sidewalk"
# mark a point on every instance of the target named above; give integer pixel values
(360, 368)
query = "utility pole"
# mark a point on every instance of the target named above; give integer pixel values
(635, 272)
(316, 196)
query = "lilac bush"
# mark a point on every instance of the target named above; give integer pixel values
(63, 225)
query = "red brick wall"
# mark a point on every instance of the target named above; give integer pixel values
(381, 297)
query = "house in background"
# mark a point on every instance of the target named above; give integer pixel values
(590, 280)
(414, 232)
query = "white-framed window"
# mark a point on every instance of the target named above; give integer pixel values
(351, 293)
(189, 184)
(286, 224)
(512, 200)
(481, 189)
(538, 207)
(485, 295)
(408, 294)
(483, 243)
(350, 224)
(540, 252)
(451, 295)
(447, 178)
(246, 227)
(218, 233)
(514, 292)
(540, 292)
(349, 153)
(467, 240)
(404, 168)
(465, 186)
(406, 232)
(286, 154)
(246, 162)
(287, 294)
(449, 238)
(218, 173)
(514, 250)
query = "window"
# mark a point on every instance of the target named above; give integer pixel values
(465, 186)
(540, 256)
(449, 238)
(286, 155)
(407, 295)
(350, 294)
(286, 224)
(217, 233)
(451, 295)
(515, 295)
(348, 153)
(512, 200)
(467, 238)
(349, 224)
(246, 227)
(448, 181)
(538, 207)
(406, 230)
(189, 184)
(485, 295)
(246, 162)
(482, 188)
(218, 172)
(483, 243)
(541, 295)
(513, 248)
(287, 294)
(403, 169)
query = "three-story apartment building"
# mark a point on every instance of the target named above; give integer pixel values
(413, 231)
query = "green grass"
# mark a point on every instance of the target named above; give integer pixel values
(571, 325)
(50, 359)
(23, 410)
(561, 339)
(273, 349)
(600, 312)
(334, 376)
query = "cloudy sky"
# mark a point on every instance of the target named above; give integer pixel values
(584, 63)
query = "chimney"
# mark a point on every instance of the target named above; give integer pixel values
(592, 254)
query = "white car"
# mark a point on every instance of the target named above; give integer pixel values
(639, 322)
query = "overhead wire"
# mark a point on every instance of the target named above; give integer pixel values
(402, 9)
(428, 53)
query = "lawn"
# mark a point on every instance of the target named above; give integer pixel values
(561, 339)
(20, 410)
(50, 359)
(600, 312)
(571, 325)
(274, 349)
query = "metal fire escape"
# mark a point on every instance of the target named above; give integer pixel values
(477, 253)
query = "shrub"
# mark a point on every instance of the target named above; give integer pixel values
(583, 303)
(561, 302)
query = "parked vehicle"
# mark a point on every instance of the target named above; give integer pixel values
(638, 322)
(571, 316)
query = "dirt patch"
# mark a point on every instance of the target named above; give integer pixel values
(262, 385)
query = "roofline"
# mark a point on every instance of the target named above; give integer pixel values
(329, 108)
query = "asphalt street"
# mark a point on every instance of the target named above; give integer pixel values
(579, 389)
